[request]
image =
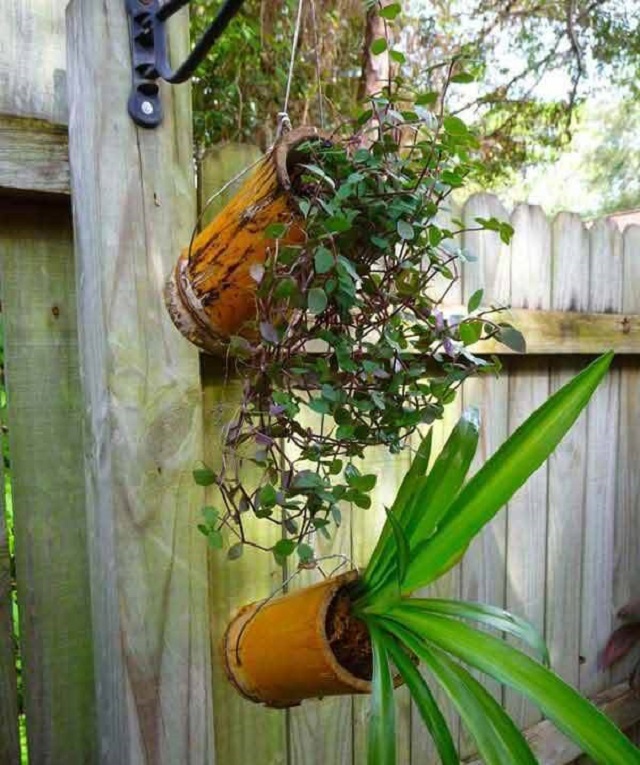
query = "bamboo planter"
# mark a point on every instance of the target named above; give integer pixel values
(279, 653)
(211, 293)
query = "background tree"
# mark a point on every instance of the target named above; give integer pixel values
(533, 64)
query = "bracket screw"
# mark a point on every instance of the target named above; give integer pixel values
(147, 107)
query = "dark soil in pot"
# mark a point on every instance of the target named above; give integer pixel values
(348, 637)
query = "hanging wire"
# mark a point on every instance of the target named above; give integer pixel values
(284, 123)
(316, 47)
(344, 561)
(214, 196)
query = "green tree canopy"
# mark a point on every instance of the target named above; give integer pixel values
(534, 63)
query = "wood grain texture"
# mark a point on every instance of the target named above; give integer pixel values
(567, 465)
(241, 727)
(568, 332)
(9, 735)
(626, 551)
(602, 453)
(483, 566)
(45, 428)
(528, 389)
(553, 748)
(32, 60)
(34, 156)
(134, 207)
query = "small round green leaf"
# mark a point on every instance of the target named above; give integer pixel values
(389, 12)
(323, 260)
(204, 476)
(378, 46)
(405, 230)
(317, 300)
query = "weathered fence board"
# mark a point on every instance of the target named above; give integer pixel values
(568, 332)
(626, 522)
(45, 437)
(569, 292)
(134, 206)
(9, 725)
(32, 60)
(239, 724)
(482, 569)
(602, 451)
(34, 156)
(528, 388)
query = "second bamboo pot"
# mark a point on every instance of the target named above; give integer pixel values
(279, 653)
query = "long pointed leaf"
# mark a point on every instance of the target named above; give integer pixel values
(503, 474)
(381, 749)
(378, 563)
(491, 616)
(498, 739)
(403, 553)
(572, 714)
(424, 509)
(445, 478)
(427, 706)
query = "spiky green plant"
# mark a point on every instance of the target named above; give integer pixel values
(429, 527)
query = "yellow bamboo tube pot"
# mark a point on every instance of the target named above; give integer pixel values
(211, 293)
(278, 653)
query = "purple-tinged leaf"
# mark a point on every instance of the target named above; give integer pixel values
(619, 644)
(269, 332)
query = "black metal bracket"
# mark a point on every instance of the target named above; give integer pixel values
(150, 56)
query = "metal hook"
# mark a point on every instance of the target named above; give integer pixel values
(150, 55)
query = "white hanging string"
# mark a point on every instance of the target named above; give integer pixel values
(214, 196)
(284, 123)
(316, 47)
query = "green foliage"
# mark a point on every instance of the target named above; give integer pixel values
(349, 322)
(439, 632)
(532, 64)
(240, 88)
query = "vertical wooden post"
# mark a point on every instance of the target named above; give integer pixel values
(134, 204)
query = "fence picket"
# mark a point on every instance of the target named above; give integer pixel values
(626, 557)
(45, 437)
(602, 441)
(528, 388)
(569, 292)
(239, 724)
(483, 567)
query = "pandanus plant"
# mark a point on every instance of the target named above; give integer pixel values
(433, 520)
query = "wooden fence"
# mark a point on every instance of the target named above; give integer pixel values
(120, 610)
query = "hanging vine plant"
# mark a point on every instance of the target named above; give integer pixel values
(347, 261)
